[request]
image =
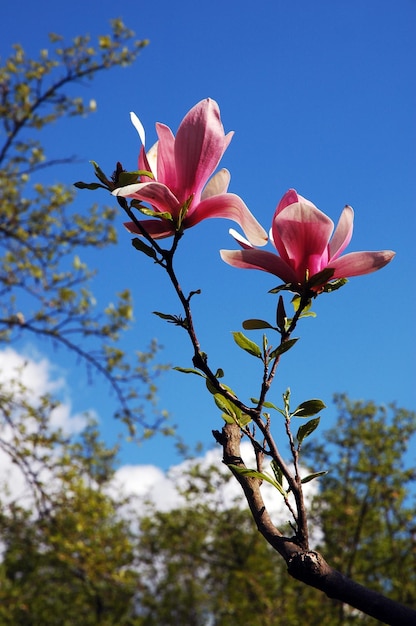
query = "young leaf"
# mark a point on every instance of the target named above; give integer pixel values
(306, 429)
(246, 344)
(281, 316)
(309, 408)
(284, 347)
(266, 405)
(188, 370)
(277, 472)
(256, 324)
(150, 213)
(225, 405)
(250, 473)
(100, 174)
(310, 477)
(142, 247)
(81, 185)
(321, 277)
(335, 284)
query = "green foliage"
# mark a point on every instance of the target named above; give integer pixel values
(44, 282)
(365, 506)
(204, 563)
(72, 559)
(83, 558)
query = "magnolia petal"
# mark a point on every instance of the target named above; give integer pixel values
(290, 197)
(259, 260)
(343, 233)
(199, 145)
(229, 206)
(240, 240)
(151, 159)
(145, 164)
(358, 263)
(158, 229)
(301, 233)
(158, 195)
(166, 169)
(138, 126)
(217, 185)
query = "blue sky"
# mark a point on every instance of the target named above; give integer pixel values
(321, 97)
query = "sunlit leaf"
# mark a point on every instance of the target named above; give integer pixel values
(284, 347)
(246, 344)
(310, 477)
(188, 370)
(309, 408)
(250, 473)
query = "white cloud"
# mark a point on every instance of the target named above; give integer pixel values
(27, 379)
(148, 482)
(30, 378)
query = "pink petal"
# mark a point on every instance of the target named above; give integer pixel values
(259, 260)
(217, 185)
(158, 195)
(146, 164)
(229, 206)
(290, 197)
(358, 263)
(301, 233)
(343, 233)
(166, 170)
(158, 229)
(199, 145)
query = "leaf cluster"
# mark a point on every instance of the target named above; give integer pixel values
(45, 283)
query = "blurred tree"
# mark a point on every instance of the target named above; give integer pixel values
(44, 284)
(84, 557)
(71, 561)
(366, 504)
(207, 564)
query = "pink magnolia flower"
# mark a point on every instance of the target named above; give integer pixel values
(181, 167)
(301, 234)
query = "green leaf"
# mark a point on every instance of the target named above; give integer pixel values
(284, 347)
(246, 344)
(163, 216)
(188, 370)
(250, 473)
(225, 405)
(335, 284)
(100, 174)
(306, 429)
(219, 373)
(256, 324)
(286, 287)
(267, 405)
(321, 277)
(127, 178)
(143, 247)
(81, 185)
(281, 317)
(165, 316)
(309, 408)
(278, 474)
(310, 477)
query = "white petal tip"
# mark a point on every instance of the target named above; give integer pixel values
(138, 126)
